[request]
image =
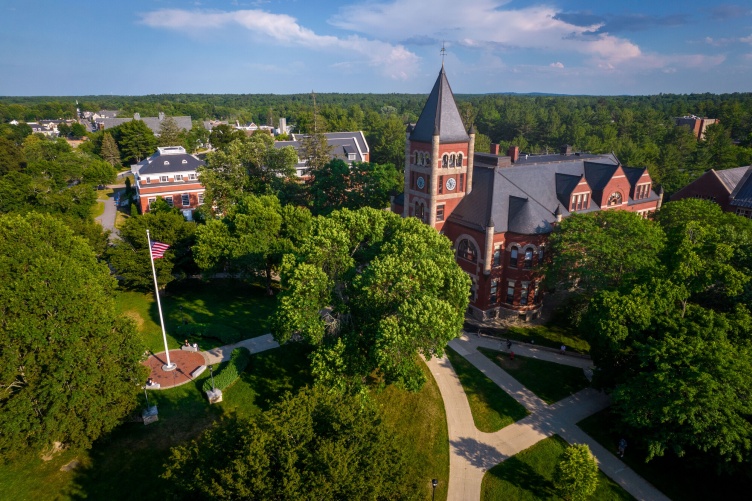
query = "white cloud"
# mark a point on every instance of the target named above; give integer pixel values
(746, 39)
(393, 59)
(481, 24)
(557, 64)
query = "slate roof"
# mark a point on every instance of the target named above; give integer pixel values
(154, 123)
(342, 143)
(155, 164)
(524, 198)
(730, 177)
(742, 194)
(440, 115)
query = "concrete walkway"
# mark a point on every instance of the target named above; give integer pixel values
(254, 345)
(472, 452)
(107, 219)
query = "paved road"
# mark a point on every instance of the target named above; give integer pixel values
(472, 452)
(107, 219)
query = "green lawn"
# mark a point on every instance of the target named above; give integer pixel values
(550, 381)
(528, 476)
(669, 474)
(242, 310)
(422, 421)
(492, 407)
(552, 335)
(127, 464)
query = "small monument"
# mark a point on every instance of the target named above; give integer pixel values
(215, 394)
(150, 414)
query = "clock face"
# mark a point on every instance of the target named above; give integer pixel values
(451, 184)
(421, 182)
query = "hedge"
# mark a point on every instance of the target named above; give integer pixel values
(229, 371)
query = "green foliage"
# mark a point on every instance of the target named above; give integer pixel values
(604, 249)
(109, 151)
(229, 372)
(170, 133)
(224, 334)
(314, 445)
(135, 140)
(315, 150)
(69, 366)
(576, 474)
(222, 135)
(129, 256)
(337, 185)
(371, 290)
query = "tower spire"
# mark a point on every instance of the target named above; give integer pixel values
(443, 53)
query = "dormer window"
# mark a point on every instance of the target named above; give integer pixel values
(178, 177)
(642, 191)
(351, 156)
(579, 202)
(184, 161)
(163, 179)
(192, 176)
(614, 199)
(167, 162)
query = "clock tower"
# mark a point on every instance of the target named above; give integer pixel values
(438, 158)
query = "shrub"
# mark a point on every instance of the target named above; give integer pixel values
(229, 371)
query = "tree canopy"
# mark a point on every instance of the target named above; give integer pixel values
(371, 291)
(317, 444)
(69, 365)
(576, 474)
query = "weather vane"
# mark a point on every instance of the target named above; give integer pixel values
(443, 53)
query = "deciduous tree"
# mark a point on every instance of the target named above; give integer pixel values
(69, 365)
(576, 474)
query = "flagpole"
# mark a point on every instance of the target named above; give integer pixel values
(169, 366)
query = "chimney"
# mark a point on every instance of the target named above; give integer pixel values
(137, 116)
(514, 153)
(566, 150)
(161, 116)
(495, 148)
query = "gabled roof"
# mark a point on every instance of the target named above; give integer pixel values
(742, 194)
(524, 198)
(440, 116)
(730, 177)
(633, 174)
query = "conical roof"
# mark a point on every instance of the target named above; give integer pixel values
(440, 115)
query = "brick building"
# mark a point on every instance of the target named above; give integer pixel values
(696, 124)
(729, 188)
(169, 174)
(499, 210)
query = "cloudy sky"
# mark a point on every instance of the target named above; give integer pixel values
(80, 47)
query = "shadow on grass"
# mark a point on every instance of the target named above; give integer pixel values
(523, 476)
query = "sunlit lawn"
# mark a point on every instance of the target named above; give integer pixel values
(552, 335)
(240, 309)
(549, 380)
(529, 476)
(492, 407)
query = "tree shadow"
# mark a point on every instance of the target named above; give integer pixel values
(478, 454)
(523, 476)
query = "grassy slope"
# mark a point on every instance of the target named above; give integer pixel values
(548, 380)
(492, 407)
(528, 476)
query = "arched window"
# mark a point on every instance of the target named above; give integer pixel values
(419, 211)
(528, 258)
(417, 158)
(452, 159)
(466, 250)
(614, 199)
(459, 160)
(541, 254)
(513, 257)
(445, 161)
(497, 256)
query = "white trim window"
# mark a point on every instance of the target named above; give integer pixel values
(168, 199)
(192, 176)
(200, 198)
(178, 177)
(186, 199)
(163, 179)
(150, 201)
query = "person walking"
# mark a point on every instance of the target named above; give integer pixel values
(622, 447)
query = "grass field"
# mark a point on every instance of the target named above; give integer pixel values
(492, 407)
(669, 474)
(243, 310)
(551, 335)
(550, 381)
(529, 474)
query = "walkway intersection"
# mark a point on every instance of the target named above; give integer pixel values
(472, 452)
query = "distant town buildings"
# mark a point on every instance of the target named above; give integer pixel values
(348, 146)
(108, 119)
(696, 124)
(729, 188)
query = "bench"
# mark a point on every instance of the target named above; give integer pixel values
(197, 372)
(188, 348)
(153, 386)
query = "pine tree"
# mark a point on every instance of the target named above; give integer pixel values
(110, 152)
(170, 133)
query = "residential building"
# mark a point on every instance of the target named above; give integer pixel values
(729, 188)
(348, 146)
(154, 123)
(498, 211)
(170, 174)
(696, 124)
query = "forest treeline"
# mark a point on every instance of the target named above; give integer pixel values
(639, 129)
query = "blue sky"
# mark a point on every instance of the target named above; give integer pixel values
(134, 47)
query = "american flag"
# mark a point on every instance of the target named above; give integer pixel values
(158, 249)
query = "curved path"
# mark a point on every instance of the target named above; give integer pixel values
(472, 452)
